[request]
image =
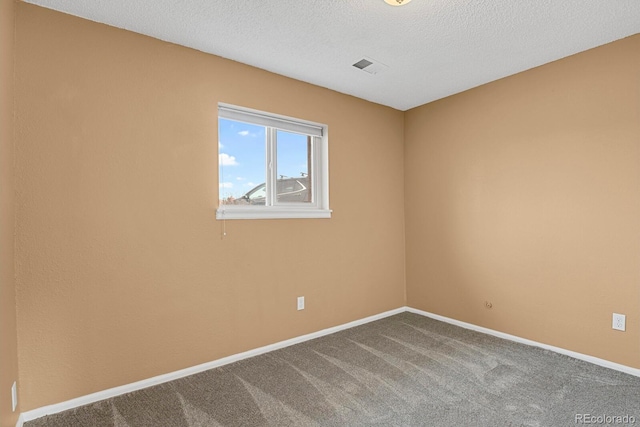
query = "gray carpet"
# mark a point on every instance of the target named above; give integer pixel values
(405, 370)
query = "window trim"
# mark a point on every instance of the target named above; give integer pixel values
(320, 167)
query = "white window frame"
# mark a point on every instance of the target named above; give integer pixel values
(319, 207)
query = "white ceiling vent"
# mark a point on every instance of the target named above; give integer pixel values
(371, 66)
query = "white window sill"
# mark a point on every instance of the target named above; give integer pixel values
(272, 213)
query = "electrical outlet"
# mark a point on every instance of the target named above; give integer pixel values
(14, 396)
(619, 322)
(300, 303)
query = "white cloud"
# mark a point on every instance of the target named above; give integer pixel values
(226, 185)
(226, 160)
(249, 184)
(248, 133)
(220, 145)
(240, 178)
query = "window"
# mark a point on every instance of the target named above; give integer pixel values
(271, 166)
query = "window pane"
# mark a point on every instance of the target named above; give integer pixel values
(241, 160)
(293, 183)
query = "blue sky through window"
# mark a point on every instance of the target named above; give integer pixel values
(242, 156)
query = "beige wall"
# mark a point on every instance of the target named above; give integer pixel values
(121, 270)
(8, 340)
(526, 193)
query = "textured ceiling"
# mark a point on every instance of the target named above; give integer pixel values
(433, 48)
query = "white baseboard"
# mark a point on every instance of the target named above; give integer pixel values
(117, 391)
(575, 355)
(138, 385)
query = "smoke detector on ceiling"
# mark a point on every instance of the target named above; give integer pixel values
(397, 2)
(370, 66)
